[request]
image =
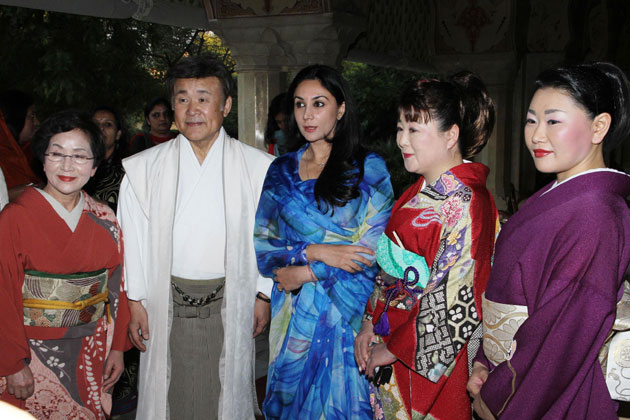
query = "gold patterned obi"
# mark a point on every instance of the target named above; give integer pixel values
(64, 300)
(500, 323)
(614, 355)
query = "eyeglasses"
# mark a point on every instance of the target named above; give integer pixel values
(58, 157)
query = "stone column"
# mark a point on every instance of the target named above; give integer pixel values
(268, 50)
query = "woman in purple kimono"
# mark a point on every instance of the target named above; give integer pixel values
(560, 260)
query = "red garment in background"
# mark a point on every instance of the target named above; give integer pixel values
(14, 164)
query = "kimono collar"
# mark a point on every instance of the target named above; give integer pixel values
(469, 173)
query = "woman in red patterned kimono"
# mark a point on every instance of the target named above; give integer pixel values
(423, 316)
(63, 311)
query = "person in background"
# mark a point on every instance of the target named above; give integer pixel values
(275, 133)
(435, 256)
(322, 209)
(4, 193)
(105, 184)
(63, 309)
(560, 260)
(187, 209)
(17, 126)
(158, 116)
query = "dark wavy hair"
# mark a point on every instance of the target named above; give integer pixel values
(340, 178)
(275, 107)
(65, 121)
(596, 88)
(200, 67)
(460, 100)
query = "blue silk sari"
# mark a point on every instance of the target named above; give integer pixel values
(312, 371)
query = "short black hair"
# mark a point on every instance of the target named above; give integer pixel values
(63, 122)
(200, 67)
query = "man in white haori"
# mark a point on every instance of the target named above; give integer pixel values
(187, 211)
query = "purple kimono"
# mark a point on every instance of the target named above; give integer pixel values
(560, 261)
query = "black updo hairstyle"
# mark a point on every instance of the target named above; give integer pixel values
(461, 100)
(63, 122)
(340, 178)
(596, 88)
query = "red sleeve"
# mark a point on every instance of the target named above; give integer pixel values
(13, 340)
(121, 338)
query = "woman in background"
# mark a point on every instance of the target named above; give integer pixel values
(435, 256)
(320, 213)
(275, 133)
(105, 184)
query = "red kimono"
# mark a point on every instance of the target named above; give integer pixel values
(67, 362)
(452, 223)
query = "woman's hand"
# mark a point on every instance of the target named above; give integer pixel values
(478, 377)
(482, 409)
(292, 277)
(114, 366)
(21, 384)
(379, 356)
(362, 345)
(345, 257)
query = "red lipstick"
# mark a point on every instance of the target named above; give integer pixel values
(541, 152)
(309, 128)
(67, 178)
(407, 155)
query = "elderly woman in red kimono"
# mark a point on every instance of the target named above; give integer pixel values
(63, 311)
(434, 256)
(560, 260)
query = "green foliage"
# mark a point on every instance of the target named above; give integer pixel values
(376, 91)
(70, 61)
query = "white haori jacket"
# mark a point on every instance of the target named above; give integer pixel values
(150, 188)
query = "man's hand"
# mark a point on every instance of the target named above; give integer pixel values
(478, 377)
(362, 344)
(482, 409)
(21, 384)
(138, 324)
(262, 316)
(114, 366)
(379, 356)
(292, 277)
(344, 257)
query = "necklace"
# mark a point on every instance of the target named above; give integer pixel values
(319, 165)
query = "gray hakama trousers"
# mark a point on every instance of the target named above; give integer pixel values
(195, 342)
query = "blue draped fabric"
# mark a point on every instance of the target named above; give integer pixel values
(312, 373)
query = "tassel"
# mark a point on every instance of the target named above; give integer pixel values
(382, 326)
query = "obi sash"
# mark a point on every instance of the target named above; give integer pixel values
(500, 323)
(64, 300)
(615, 353)
(404, 275)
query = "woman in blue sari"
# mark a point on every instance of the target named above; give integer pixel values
(321, 212)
